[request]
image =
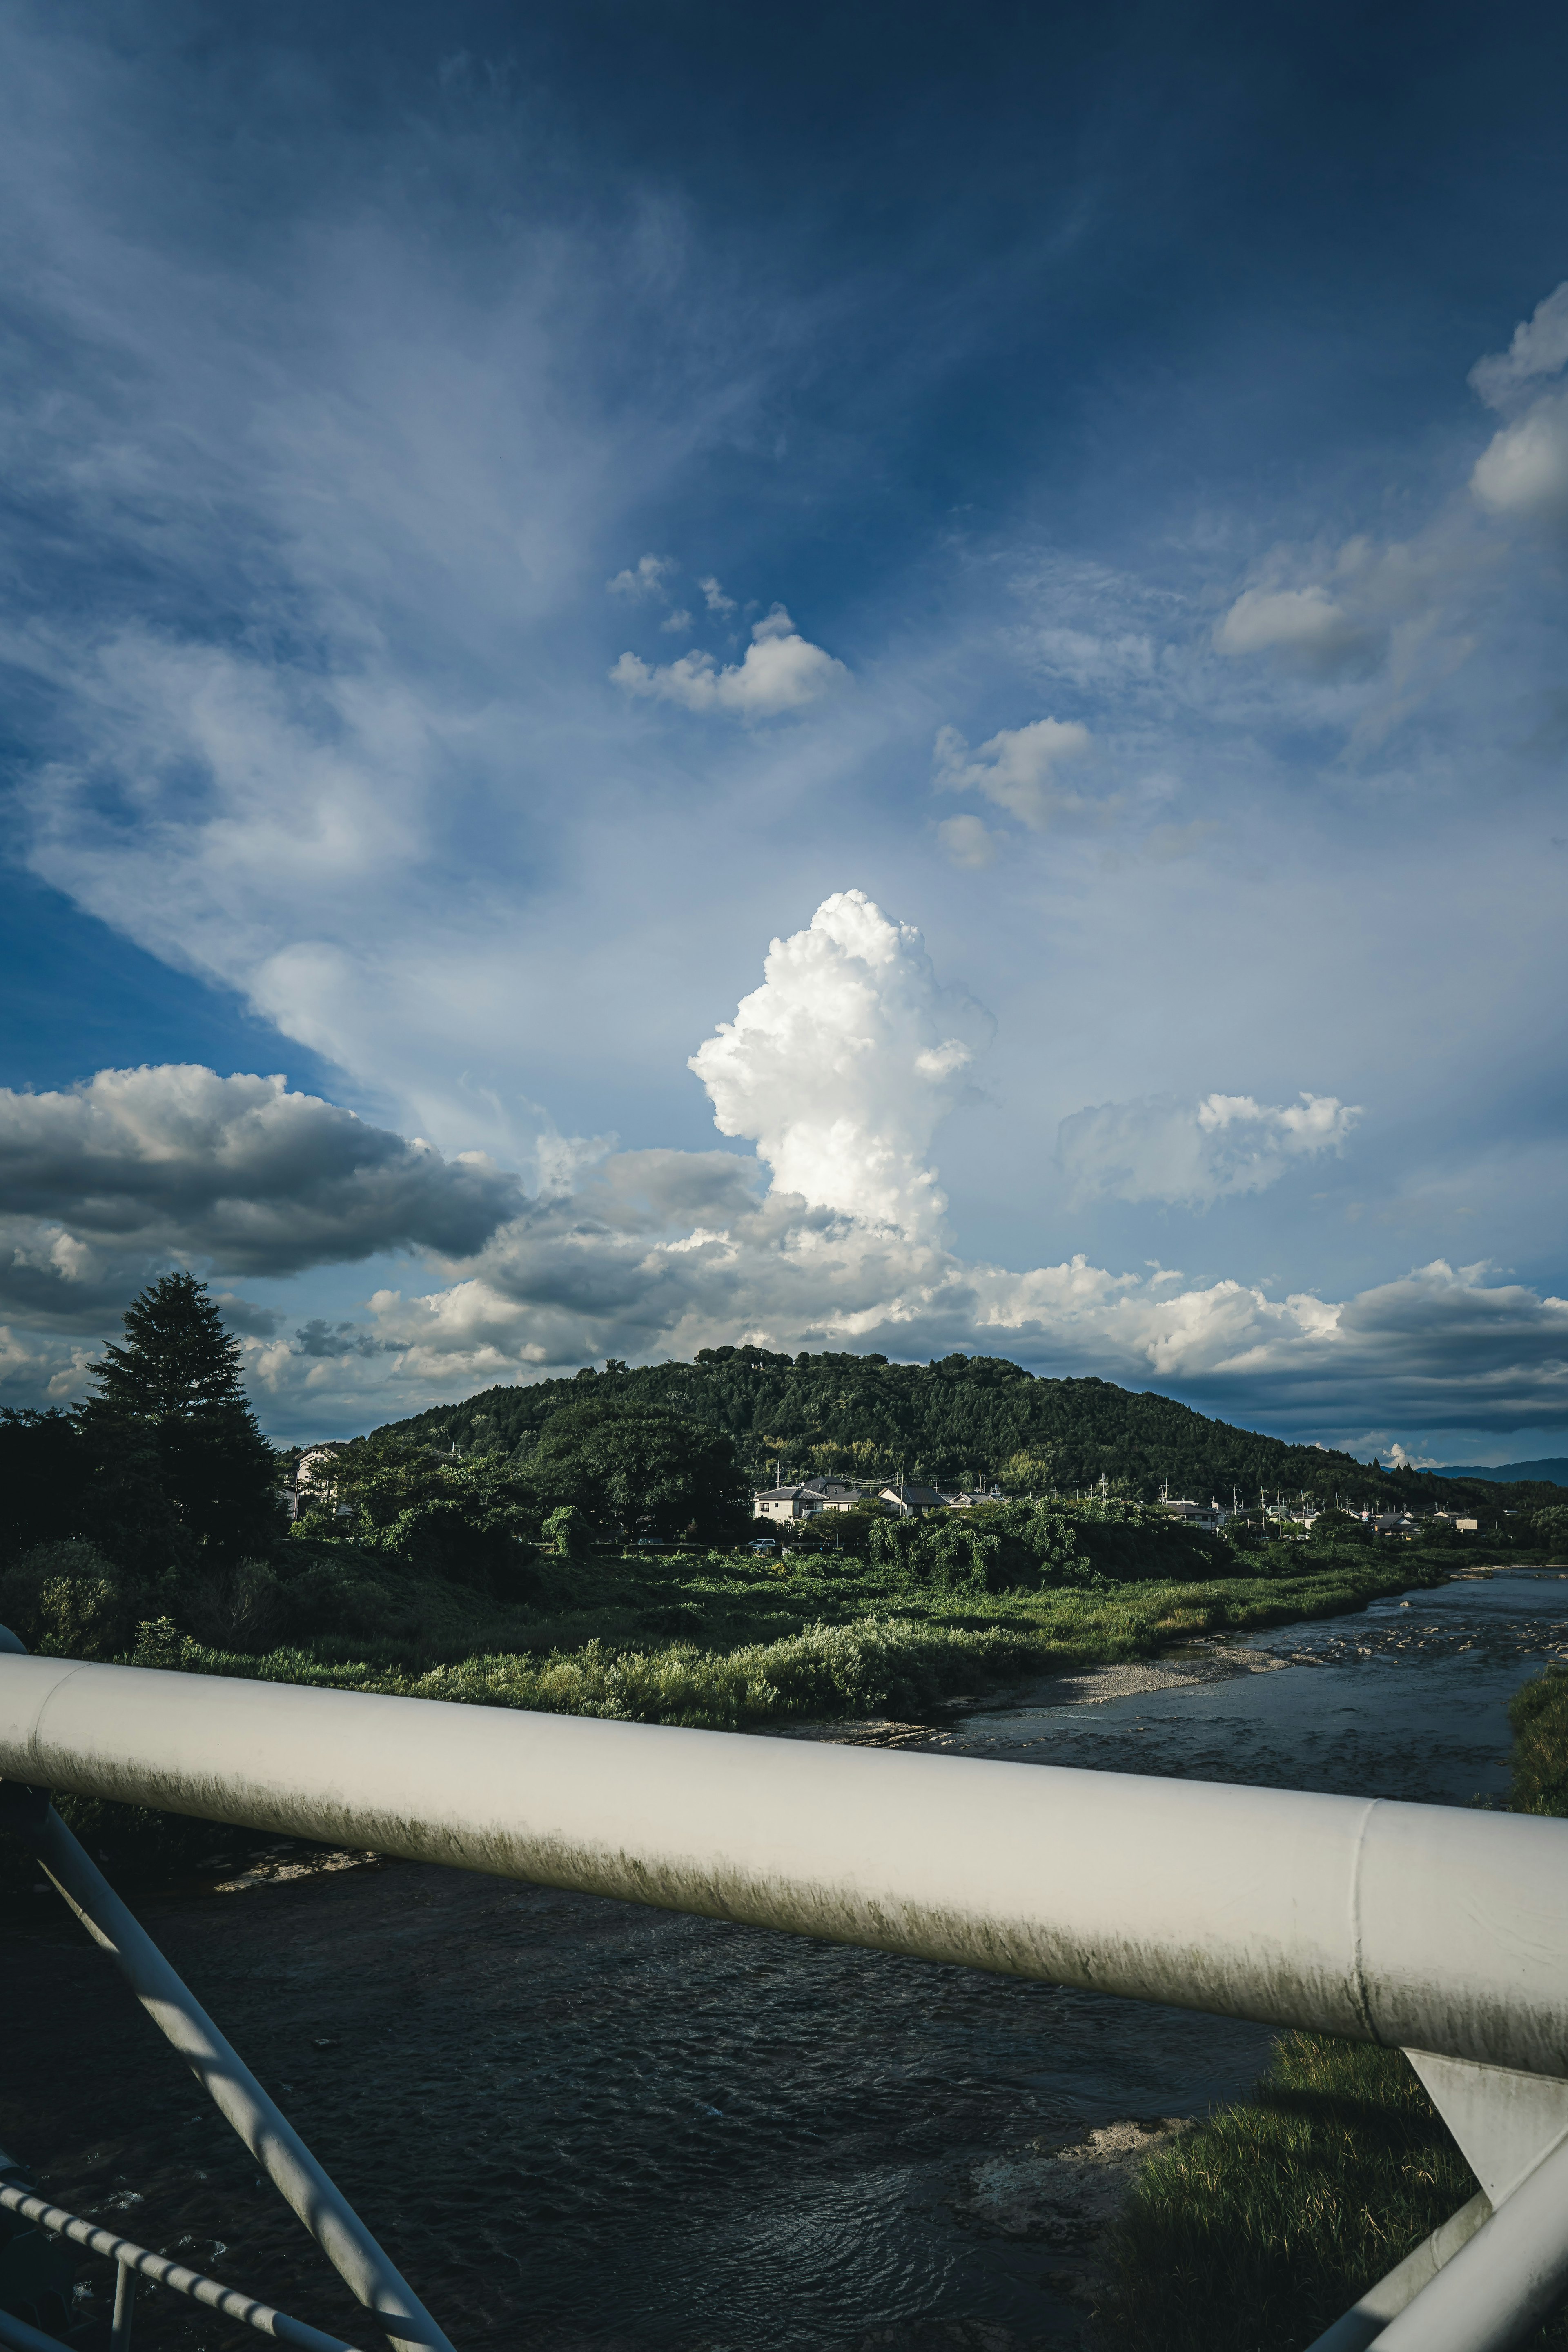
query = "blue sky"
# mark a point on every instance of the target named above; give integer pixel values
(1056, 524)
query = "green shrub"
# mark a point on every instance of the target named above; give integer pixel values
(1539, 1717)
(570, 1532)
(238, 1608)
(66, 1601)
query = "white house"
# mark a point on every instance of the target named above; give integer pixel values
(1210, 1516)
(804, 1499)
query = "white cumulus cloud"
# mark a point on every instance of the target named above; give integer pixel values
(841, 1065)
(1305, 626)
(1522, 473)
(1158, 1149)
(1523, 470)
(1019, 769)
(781, 671)
(838, 1068)
(967, 842)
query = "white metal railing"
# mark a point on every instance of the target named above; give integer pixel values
(1440, 1931)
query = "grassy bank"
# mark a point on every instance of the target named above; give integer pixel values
(1260, 2227)
(1254, 2232)
(1540, 1718)
(753, 1645)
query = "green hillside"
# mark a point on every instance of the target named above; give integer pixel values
(965, 1418)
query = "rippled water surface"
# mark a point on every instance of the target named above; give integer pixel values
(580, 2124)
(1407, 1698)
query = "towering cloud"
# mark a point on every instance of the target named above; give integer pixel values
(842, 1065)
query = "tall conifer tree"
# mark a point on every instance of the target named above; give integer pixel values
(170, 1399)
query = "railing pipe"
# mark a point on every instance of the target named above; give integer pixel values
(132, 2259)
(1414, 1925)
(1365, 2320)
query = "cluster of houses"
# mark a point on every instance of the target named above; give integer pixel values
(808, 1498)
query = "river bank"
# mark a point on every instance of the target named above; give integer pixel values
(604, 2128)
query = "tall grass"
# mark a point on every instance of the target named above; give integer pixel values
(1539, 1717)
(1253, 2232)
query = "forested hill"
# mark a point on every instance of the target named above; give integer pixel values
(965, 1418)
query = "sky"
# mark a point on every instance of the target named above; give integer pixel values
(889, 680)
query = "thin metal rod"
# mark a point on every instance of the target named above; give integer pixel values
(1366, 2318)
(261, 2123)
(132, 2259)
(124, 2307)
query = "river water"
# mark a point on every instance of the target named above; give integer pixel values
(579, 2123)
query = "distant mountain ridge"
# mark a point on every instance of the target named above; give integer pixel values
(949, 1421)
(1553, 1469)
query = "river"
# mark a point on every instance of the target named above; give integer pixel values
(579, 2123)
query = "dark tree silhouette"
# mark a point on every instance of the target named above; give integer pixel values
(169, 1411)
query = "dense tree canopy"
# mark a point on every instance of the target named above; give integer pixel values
(632, 1469)
(470, 1521)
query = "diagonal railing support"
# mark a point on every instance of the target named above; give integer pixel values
(1501, 2285)
(261, 2123)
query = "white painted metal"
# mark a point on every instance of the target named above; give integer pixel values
(1504, 2122)
(131, 2259)
(1418, 1926)
(1499, 2287)
(1366, 2319)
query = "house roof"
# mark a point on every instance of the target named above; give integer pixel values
(915, 1498)
(810, 1490)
